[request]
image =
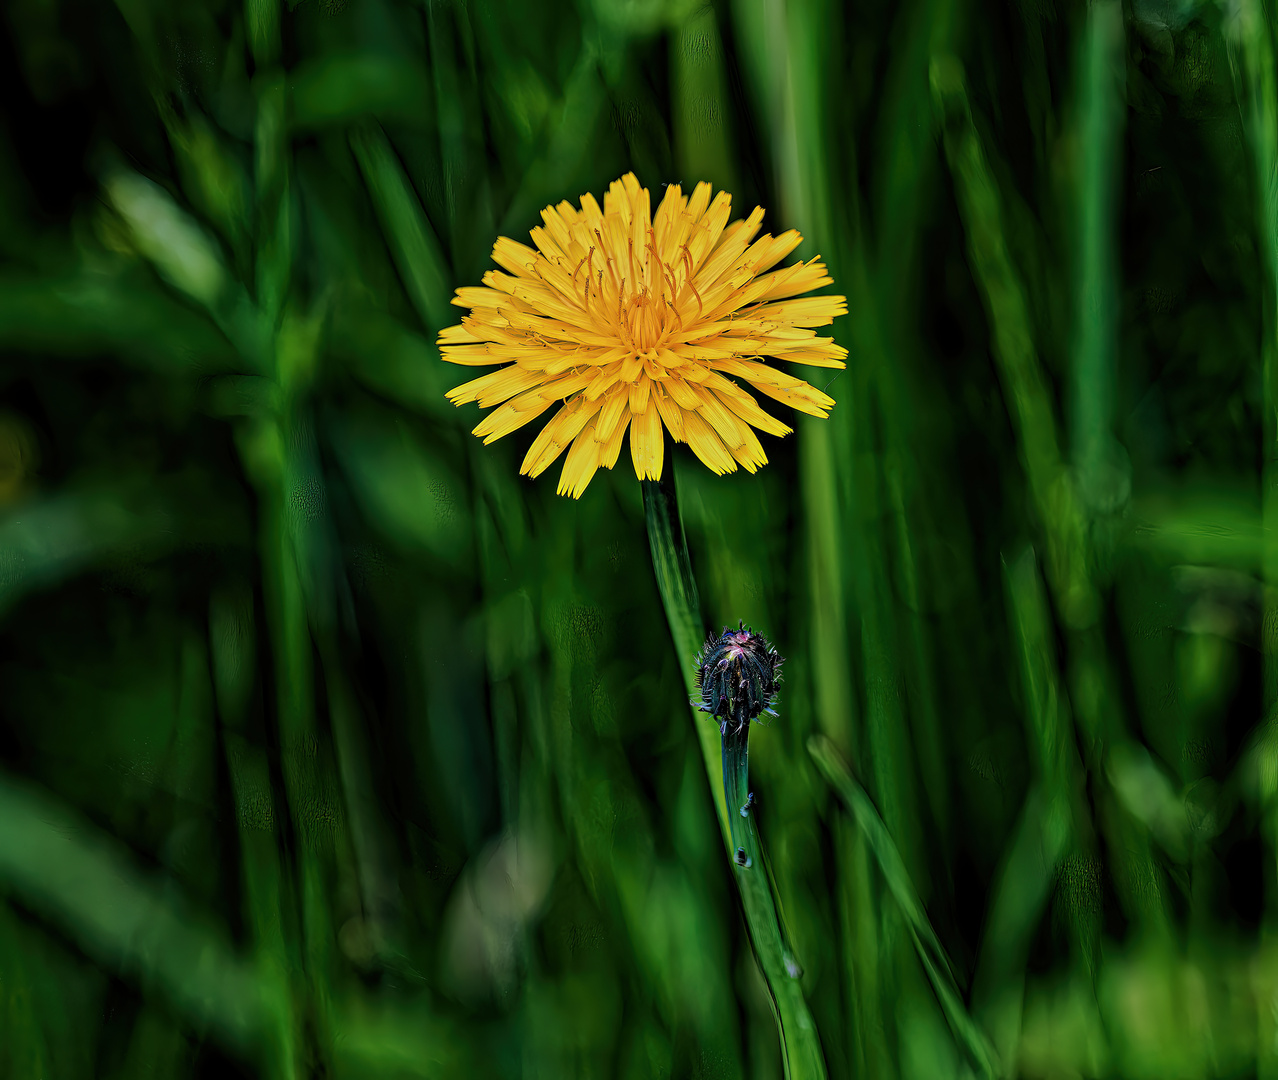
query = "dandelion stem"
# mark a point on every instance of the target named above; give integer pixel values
(800, 1045)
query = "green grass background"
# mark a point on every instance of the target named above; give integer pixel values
(329, 746)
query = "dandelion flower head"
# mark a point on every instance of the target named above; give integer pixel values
(635, 321)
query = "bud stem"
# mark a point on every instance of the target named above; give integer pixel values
(800, 1044)
(742, 833)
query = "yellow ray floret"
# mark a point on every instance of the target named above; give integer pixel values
(639, 323)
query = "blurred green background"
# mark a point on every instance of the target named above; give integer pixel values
(330, 746)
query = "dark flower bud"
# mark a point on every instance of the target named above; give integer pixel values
(737, 676)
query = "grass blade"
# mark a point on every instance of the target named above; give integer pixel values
(940, 971)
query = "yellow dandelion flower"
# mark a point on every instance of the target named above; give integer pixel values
(638, 321)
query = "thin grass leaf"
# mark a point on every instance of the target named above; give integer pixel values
(702, 105)
(1096, 282)
(1024, 386)
(77, 315)
(339, 90)
(412, 241)
(936, 963)
(62, 865)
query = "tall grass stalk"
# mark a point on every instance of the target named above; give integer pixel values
(1249, 38)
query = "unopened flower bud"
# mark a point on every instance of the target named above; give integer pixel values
(737, 676)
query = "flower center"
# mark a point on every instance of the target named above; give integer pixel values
(636, 293)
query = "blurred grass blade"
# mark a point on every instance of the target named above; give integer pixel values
(53, 539)
(701, 102)
(1020, 895)
(335, 90)
(570, 145)
(24, 1049)
(65, 868)
(274, 195)
(1103, 104)
(1209, 528)
(1248, 29)
(1046, 708)
(263, 19)
(212, 176)
(142, 328)
(410, 496)
(188, 259)
(1024, 386)
(184, 255)
(393, 360)
(411, 240)
(940, 971)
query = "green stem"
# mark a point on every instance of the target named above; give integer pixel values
(736, 796)
(800, 1044)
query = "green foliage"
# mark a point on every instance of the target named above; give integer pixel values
(331, 746)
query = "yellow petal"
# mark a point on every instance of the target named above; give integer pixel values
(707, 231)
(750, 453)
(563, 427)
(647, 444)
(698, 201)
(707, 445)
(800, 277)
(775, 335)
(456, 335)
(730, 248)
(610, 449)
(581, 463)
(495, 279)
(701, 351)
(610, 415)
(831, 356)
(496, 386)
(803, 397)
(551, 329)
(549, 392)
(755, 373)
(550, 302)
(789, 281)
(516, 257)
(559, 285)
(748, 409)
(640, 208)
(684, 396)
(729, 427)
(470, 355)
(769, 250)
(639, 390)
(471, 296)
(558, 220)
(617, 202)
(781, 341)
(670, 413)
(665, 222)
(779, 385)
(547, 245)
(808, 311)
(609, 237)
(511, 416)
(603, 381)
